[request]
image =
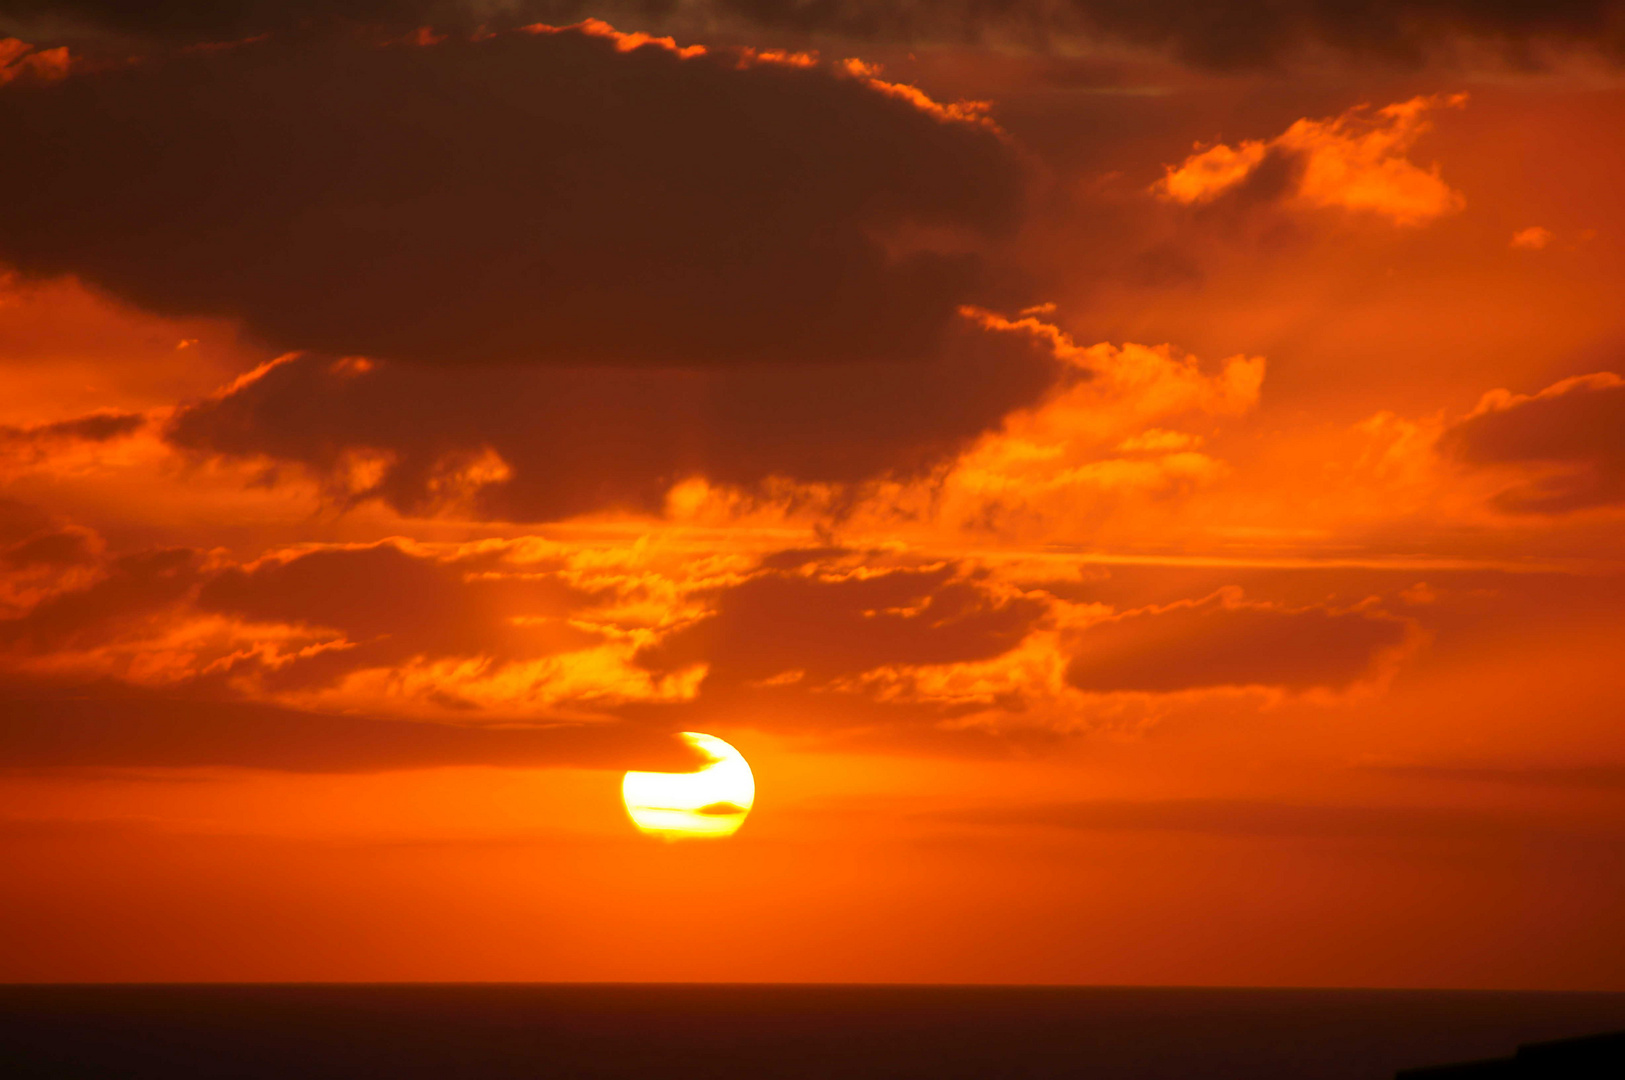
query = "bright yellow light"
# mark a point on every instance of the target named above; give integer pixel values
(711, 802)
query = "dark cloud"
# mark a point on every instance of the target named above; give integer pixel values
(1227, 641)
(90, 23)
(70, 546)
(1239, 817)
(1571, 436)
(1224, 34)
(131, 590)
(1247, 33)
(97, 427)
(192, 21)
(575, 440)
(826, 625)
(1607, 777)
(105, 725)
(39, 440)
(391, 606)
(527, 197)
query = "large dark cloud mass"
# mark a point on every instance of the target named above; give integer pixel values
(554, 197)
(579, 439)
(1219, 33)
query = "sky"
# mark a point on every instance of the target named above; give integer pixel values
(1142, 485)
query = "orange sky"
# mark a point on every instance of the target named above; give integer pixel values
(1145, 497)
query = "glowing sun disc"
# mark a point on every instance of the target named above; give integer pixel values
(710, 802)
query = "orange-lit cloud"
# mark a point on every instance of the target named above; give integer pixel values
(1533, 238)
(623, 42)
(1354, 162)
(21, 61)
(473, 633)
(1112, 434)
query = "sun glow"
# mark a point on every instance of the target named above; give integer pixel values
(710, 802)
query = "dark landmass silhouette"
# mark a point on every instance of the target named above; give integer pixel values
(1591, 1057)
(767, 1032)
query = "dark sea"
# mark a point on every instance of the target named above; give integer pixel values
(756, 1032)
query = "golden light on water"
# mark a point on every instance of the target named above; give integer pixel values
(710, 802)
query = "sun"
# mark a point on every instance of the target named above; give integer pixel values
(709, 803)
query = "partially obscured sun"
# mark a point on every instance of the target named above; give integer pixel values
(711, 802)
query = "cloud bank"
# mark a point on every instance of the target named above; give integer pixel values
(1225, 35)
(558, 197)
(1565, 445)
